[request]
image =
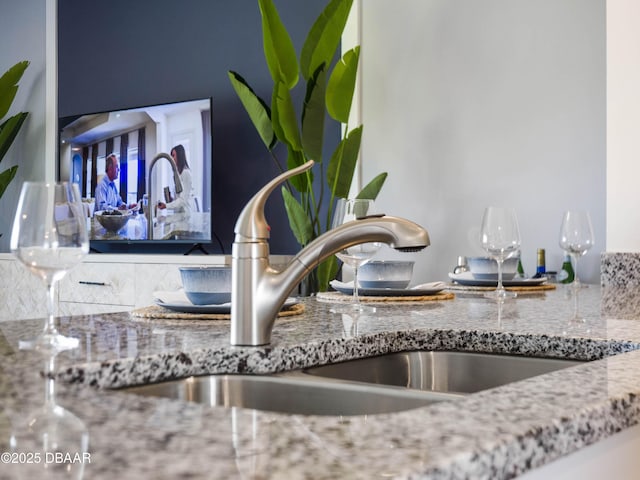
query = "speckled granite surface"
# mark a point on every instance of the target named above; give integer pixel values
(620, 269)
(497, 433)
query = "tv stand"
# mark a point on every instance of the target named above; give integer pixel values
(196, 247)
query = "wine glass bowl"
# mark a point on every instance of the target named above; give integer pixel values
(576, 237)
(500, 238)
(49, 238)
(348, 210)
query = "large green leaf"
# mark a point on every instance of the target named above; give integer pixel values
(8, 86)
(324, 37)
(257, 109)
(284, 117)
(341, 86)
(326, 272)
(299, 221)
(278, 47)
(313, 115)
(275, 119)
(372, 189)
(343, 164)
(6, 177)
(9, 130)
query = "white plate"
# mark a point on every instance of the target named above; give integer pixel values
(466, 278)
(417, 291)
(188, 307)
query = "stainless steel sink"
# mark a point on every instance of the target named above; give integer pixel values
(382, 384)
(291, 393)
(453, 372)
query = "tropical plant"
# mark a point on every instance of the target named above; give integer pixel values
(329, 92)
(10, 127)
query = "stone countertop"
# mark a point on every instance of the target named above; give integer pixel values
(498, 433)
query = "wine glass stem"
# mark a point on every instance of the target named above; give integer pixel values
(50, 326)
(50, 373)
(576, 281)
(500, 288)
(356, 298)
(576, 306)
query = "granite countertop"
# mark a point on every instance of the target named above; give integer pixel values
(498, 433)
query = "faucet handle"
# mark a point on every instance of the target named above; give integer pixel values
(251, 224)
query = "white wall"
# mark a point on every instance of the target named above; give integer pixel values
(500, 102)
(623, 121)
(22, 34)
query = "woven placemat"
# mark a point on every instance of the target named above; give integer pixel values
(341, 297)
(156, 311)
(522, 289)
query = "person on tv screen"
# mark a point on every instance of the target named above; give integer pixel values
(184, 200)
(107, 196)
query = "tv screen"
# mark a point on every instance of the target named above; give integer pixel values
(145, 175)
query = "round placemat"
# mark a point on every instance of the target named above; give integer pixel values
(341, 297)
(156, 311)
(522, 289)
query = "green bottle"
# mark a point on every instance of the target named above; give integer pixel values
(567, 274)
(520, 269)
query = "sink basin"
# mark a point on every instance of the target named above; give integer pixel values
(382, 384)
(291, 393)
(453, 372)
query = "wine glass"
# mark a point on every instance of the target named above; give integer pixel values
(500, 237)
(576, 237)
(348, 210)
(55, 437)
(49, 237)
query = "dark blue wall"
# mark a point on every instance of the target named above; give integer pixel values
(116, 54)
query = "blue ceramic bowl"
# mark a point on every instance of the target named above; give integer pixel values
(486, 268)
(394, 274)
(209, 285)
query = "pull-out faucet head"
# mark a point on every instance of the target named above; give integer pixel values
(398, 233)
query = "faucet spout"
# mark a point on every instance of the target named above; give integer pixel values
(258, 291)
(176, 180)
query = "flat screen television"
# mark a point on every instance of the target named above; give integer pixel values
(146, 182)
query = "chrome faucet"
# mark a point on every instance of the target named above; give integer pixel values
(176, 179)
(258, 291)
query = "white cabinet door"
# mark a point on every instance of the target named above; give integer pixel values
(100, 283)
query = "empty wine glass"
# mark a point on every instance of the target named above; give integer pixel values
(55, 437)
(49, 237)
(500, 237)
(576, 237)
(346, 211)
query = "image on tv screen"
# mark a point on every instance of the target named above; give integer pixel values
(144, 173)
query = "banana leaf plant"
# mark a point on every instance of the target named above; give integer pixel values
(10, 127)
(329, 90)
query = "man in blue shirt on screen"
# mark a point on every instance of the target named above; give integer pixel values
(107, 196)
